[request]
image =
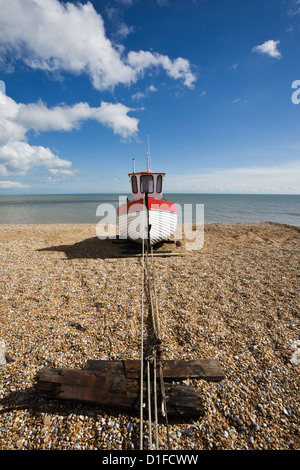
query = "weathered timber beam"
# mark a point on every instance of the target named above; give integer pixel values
(206, 369)
(107, 389)
(157, 254)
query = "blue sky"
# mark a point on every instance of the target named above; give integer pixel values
(215, 85)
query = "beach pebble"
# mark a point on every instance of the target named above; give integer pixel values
(67, 297)
(2, 353)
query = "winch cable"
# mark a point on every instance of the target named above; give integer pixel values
(157, 353)
(142, 344)
(158, 350)
(156, 359)
(149, 403)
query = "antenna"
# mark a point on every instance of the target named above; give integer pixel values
(133, 165)
(149, 152)
(147, 162)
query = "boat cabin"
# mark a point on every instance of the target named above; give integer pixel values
(146, 182)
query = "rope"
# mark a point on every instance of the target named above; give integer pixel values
(142, 345)
(156, 319)
(155, 402)
(149, 405)
(163, 393)
(156, 359)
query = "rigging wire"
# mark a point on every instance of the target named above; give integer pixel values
(149, 152)
(156, 359)
(142, 344)
(149, 404)
(156, 328)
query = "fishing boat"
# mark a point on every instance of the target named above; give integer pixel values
(147, 218)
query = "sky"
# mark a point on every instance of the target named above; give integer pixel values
(210, 88)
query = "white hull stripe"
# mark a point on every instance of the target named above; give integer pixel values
(162, 223)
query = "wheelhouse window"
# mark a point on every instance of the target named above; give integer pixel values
(134, 184)
(147, 185)
(159, 184)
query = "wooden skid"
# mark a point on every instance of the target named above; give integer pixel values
(156, 254)
(207, 369)
(117, 384)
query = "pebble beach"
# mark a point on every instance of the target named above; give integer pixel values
(68, 297)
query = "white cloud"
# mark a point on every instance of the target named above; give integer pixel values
(295, 11)
(162, 3)
(125, 2)
(12, 185)
(269, 48)
(57, 37)
(63, 172)
(115, 116)
(115, 16)
(277, 179)
(138, 95)
(17, 156)
(178, 69)
(65, 118)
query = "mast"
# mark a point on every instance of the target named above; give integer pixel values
(149, 153)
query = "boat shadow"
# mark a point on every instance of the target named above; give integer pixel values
(95, 248)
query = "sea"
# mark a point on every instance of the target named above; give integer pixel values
(95, 208)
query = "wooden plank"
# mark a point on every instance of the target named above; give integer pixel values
(105, 366)
(107, 389)
(156, 254)
(206, 369)
(98, 396)
(135, 251)
(212, 370)
(87, 386)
